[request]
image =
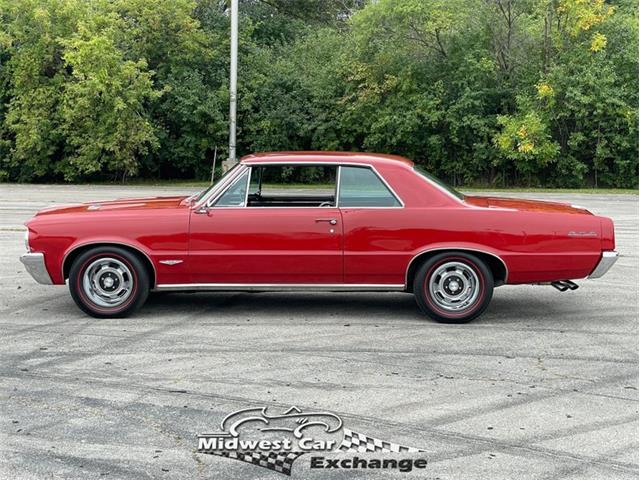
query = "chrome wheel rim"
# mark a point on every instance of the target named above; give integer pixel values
(107, 282)
(454, 286)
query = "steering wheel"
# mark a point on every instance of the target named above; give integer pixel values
(326, 204)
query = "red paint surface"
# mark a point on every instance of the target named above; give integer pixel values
(367, 245)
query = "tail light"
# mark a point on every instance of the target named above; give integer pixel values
(608, 234)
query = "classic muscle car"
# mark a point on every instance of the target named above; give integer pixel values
(317, 221)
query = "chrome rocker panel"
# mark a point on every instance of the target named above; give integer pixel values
(279, 287)
(605, 263)
(34, 263)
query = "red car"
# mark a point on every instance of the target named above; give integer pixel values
(317, 221)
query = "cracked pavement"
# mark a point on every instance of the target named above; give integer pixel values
(543, 385)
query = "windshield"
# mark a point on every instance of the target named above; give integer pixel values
(199, 196)
(438, 182)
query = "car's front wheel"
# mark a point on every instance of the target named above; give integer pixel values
(108, 282)
(453, 287)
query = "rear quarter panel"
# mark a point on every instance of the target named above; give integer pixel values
(536, 247)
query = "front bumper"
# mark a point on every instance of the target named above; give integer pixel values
(34, 263)
(606, 262)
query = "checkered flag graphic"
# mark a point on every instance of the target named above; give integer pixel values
(354, 442)
(279, 461)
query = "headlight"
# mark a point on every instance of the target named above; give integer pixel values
(26, 241)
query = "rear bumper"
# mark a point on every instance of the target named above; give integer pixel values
(34, 263)
(606, 262)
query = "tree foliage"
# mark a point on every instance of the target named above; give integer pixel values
(495, 92)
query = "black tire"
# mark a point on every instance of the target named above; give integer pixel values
(126, 269)
(464, 271)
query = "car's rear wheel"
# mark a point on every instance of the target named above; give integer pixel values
(108, 282)
(453, 287)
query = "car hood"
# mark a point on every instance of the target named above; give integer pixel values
(119, 204)
(524, 205)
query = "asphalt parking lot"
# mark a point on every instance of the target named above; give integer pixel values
(544, 385)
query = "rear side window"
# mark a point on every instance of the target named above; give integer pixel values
(361, 187)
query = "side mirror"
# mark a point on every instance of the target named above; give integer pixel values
(204, 210)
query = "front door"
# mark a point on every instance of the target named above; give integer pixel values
(275, 225)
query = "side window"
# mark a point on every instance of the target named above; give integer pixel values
(361, 187)
(292, 186)
(235, 194)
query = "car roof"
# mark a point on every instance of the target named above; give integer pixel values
(325, 157)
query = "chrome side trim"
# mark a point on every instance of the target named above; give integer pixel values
(170, 262)
(34, 263)
(605, 263)
(506, 269)
(279, 287)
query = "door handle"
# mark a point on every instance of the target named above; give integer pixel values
(332, 221)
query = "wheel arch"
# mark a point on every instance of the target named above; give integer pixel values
(497, 266)
(77, 250)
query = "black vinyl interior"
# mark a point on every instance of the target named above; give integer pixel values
(258, 200)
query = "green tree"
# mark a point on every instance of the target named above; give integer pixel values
(33, 72)
(103, 117)
(495, 92)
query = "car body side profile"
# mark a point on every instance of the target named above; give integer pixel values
(317, 221)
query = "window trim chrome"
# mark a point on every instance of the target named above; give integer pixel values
(301, 164)
(215, 193)
(221, 183)
(336, 194)
(246, 193)
(236, 179)
(210, 201)
(381, 178)
(440, 188)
